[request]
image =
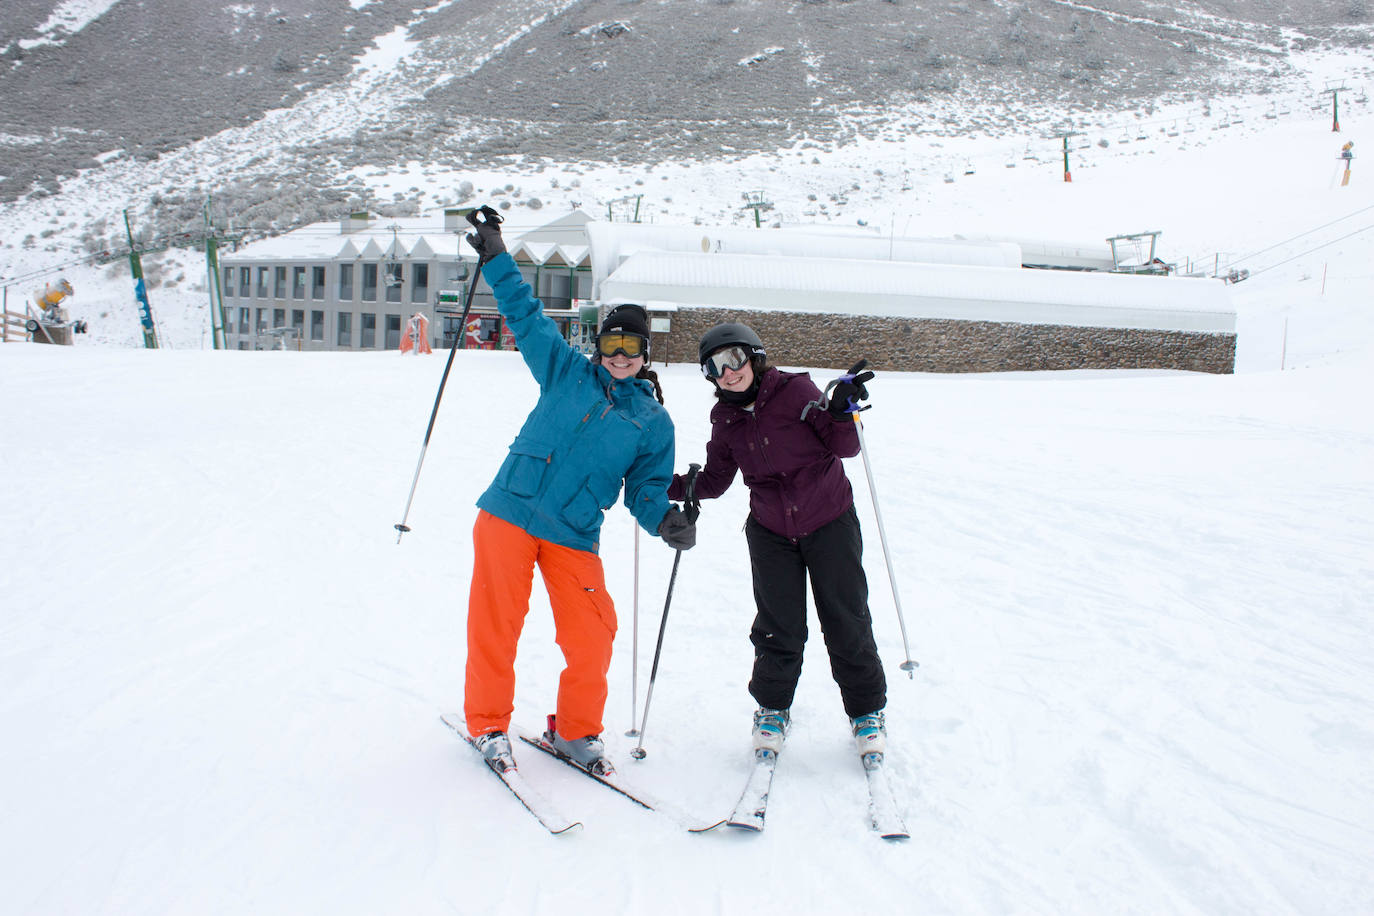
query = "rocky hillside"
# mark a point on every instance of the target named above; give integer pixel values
(312, 92)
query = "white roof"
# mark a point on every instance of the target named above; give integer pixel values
(612, 243)
(915, 290)
(420, 238)
(1081, 254)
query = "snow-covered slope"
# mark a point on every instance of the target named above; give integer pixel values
(1140, 605)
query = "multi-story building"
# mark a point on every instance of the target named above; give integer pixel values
(355, 284)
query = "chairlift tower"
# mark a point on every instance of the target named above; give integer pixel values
(610, 206)
(145, 309)
(1068, 176)
(1335, 92)
(756, 201)
(219, 334)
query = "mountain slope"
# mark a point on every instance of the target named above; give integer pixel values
(607, 79)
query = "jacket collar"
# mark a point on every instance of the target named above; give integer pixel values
(768, 383)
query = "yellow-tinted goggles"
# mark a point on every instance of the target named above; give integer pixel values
(631, 345)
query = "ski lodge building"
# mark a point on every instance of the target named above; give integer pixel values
(353, 285)
(818, 296)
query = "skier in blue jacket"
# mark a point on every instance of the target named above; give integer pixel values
(598, 423)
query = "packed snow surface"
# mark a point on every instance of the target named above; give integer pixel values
(1141, 604)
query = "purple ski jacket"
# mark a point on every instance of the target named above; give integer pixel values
(792, 466)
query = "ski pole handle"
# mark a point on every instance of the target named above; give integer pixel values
(691, 506)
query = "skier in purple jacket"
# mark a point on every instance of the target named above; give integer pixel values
(801, 523)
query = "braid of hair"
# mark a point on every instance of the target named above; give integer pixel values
(652, 376)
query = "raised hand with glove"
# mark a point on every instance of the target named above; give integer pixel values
(848, 390)
(486, 240)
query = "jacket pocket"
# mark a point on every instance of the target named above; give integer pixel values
(584, 510)
(525, 467)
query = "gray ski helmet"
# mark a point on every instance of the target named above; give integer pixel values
(723, 335)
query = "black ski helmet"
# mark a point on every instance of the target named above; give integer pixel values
(730, 333)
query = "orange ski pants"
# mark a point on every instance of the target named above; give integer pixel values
(504, 557)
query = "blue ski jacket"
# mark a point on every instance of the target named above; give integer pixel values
(587, 434)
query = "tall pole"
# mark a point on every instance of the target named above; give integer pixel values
(145, 309)
(1335, 106)
(220, 335)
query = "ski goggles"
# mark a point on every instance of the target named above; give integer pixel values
(631, 345)
(726, 358)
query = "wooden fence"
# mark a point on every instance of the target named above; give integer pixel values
(12, 329)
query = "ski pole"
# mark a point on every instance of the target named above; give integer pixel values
(489, 215)
(634, 650)
(822, 403)
(908, 666)
(693, 508)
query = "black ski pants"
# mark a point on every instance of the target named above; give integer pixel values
(833, 558)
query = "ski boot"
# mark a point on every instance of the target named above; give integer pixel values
(870, 733)
(588, 753)
(770, 728)
(495, 750)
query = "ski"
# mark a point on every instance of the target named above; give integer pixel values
(614, 781)
(882, 805)
(533, 800)
(753, 803)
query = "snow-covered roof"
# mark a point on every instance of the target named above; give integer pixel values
(551, 253)
(915, 290)
(612, 243)
(438, 235)
(1084, 254)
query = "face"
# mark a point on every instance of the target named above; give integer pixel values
(621, 366)
(737, 379)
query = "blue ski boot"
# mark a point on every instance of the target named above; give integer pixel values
(770, 728)
(870, 733)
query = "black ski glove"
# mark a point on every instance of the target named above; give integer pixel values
(677, 531)
(486, 241)
(849, 390)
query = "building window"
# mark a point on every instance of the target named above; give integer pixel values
(278, 318)
(393, 282)
(393, 332)
(317, 325)
(559, 292)
(262, 282)
(279, 287)
(262, 320)
(245, 279)
(345, 334)
(298, 322)
(298, 283)
(370, 283)
(244, 316)
(419, 283)
(317, 283)
(345, 282)
(369, 331)
(229, 281)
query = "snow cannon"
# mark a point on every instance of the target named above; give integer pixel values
(50, 323)
(51, 296)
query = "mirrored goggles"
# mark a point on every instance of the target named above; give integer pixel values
(731, 358)
(631, 345)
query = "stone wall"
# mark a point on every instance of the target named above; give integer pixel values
(938, 345)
